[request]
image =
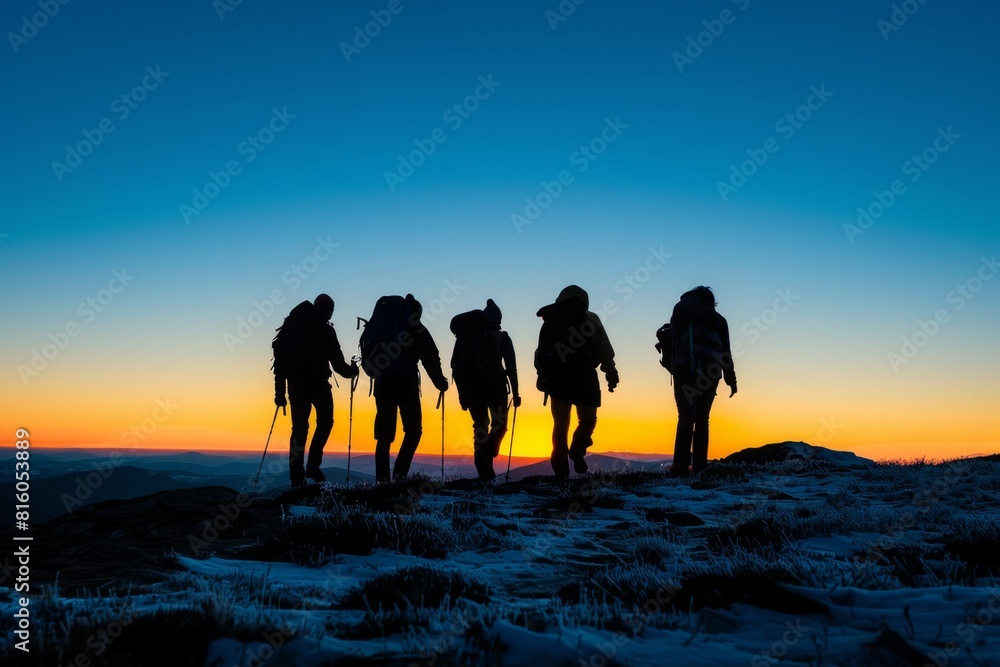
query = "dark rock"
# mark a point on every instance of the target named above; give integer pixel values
(684, 519)
(800, 451)
(761, 589)
(674, 518)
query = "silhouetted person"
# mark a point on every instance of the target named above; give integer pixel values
(397, 385)
(304, 349)
(571, 345)
(485, 370)
(701, 356)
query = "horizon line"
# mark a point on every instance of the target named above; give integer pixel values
(188, 450)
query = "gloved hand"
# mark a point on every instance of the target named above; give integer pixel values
(612, 380)
(540, 385)
(279, 393)
(354, 369)
(441, 385)
(732, 389)
(517, 401)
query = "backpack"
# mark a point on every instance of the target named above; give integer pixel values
(665, 345)
(385, 336)
(695, 334)
(290, 346)
(475, 363)
(566, 347)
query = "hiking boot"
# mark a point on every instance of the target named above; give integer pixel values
(579, 464)
(315, 474)
(679, 471)
(298, 483)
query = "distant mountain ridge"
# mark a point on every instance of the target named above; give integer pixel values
(61, 486)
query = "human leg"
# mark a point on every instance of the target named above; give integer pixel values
(410, 414)
(703, 407)
(560, 437)
(322, 400)
(386, 406)
(684, 396)
(480, 435)
(498, 428)
(299, 400)
(586, 416)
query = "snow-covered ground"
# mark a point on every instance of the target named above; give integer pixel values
(814, 561)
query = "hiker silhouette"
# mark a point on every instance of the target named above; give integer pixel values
(304, 349)
(485, 370)
(700, 357)
(572, 343)
(393, 341)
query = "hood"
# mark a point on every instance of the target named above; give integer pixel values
(492, 312)
(571, 299)
(574, 292)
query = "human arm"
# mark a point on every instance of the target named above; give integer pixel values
(510, 366)
(605, 352)
(336, 356)
(728, 368)
(429, 356)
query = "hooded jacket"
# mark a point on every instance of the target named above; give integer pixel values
(572, 344)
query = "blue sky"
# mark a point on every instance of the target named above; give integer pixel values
(343, 125)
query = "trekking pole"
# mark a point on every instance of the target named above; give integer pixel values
(440, 404)
(261, 466)
(510, 454)
(350, 421)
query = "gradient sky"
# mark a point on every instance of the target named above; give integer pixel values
(156, 354)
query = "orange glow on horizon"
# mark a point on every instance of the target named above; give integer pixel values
(171, 412)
